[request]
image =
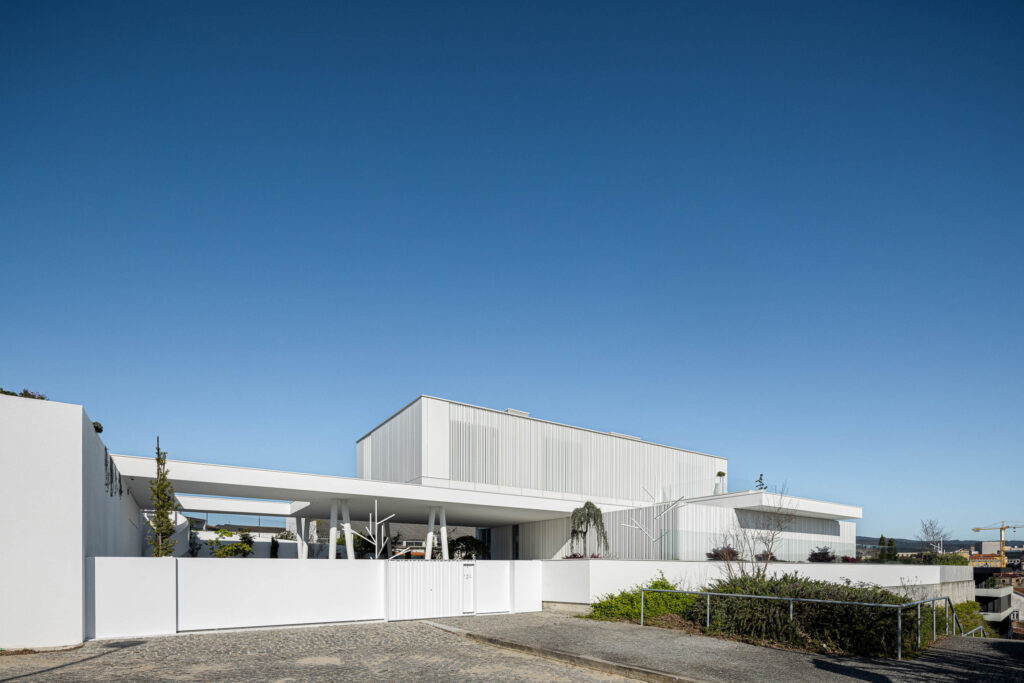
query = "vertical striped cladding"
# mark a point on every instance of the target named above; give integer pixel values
(393, 451)
(700, 528)
(498, 449)
(550, 540)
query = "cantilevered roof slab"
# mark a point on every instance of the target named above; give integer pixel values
(766, 501)
(408, 502)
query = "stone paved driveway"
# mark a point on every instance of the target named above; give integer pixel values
(396, 651)
(703, 658)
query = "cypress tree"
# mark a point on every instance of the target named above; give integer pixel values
(161, 494)
(892, 548)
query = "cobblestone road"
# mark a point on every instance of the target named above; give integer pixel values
(395, 651)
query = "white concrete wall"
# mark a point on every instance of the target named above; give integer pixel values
(493, 586)
(700, 528)
(528, 585)
(41, 585)
(233, 593)
(112, 525)
(130, 596)
(584, 581)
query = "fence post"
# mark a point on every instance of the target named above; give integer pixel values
(641, 606)
(709, 612)
(935, 620)
(946, 605)
(791, 610)
(899, 632)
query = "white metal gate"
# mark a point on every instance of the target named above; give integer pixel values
(426, 590)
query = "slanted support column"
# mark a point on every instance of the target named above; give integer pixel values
(334, 531)
(429, 550)
(444, 536)
(346, 526)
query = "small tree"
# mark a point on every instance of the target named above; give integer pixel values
(161, 495)
(726, 553)
(194, 544)
(585, 518)
(468, 548)
(240, 548)
(890, 553)
(274, 547)
(822, 554)
(933, 536)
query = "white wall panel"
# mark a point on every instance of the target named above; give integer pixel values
(113, 586)
(700, 528)
(493, 586)
(243, 592)
(393, 451)
(512, 452)
(527, 578)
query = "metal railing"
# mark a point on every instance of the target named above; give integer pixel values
(948, 604)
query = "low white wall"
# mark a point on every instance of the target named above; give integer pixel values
(585, 581)
(236, 592)
(146, 596)
(528, 584)
(130, 596)
(493, 586)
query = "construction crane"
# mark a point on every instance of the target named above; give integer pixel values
(1003, 526)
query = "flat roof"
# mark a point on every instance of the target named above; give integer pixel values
(207, 488)
(615, 435)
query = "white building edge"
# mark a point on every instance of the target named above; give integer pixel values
(513, 477)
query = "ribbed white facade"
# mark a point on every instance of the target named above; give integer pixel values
(688, 532)
(465, 446)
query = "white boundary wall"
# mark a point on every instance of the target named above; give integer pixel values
(585, 581)
(130, 596)
(146, 596)
(52, 467)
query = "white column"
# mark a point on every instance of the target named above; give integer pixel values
(302, 542)
(346, 526)
(444, 536)
(334, 531)
(429, 550)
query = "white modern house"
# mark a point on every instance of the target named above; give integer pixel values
(514, 478)
(440, 444)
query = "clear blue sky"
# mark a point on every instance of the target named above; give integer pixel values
(787, 234)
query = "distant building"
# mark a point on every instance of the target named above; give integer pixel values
(986, 560)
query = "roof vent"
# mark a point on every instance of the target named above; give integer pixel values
(518, 413)
(626, 436)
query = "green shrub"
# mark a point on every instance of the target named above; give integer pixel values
(849, 629)
(625, 606)
(944, 558)
(969, 616)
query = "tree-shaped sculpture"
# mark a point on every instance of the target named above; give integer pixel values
(583, 520)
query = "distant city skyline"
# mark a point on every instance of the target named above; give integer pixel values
(790, 240)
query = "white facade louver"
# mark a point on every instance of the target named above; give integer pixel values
(439, 442)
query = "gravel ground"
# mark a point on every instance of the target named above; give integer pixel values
(712, 659)
(396, 651)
